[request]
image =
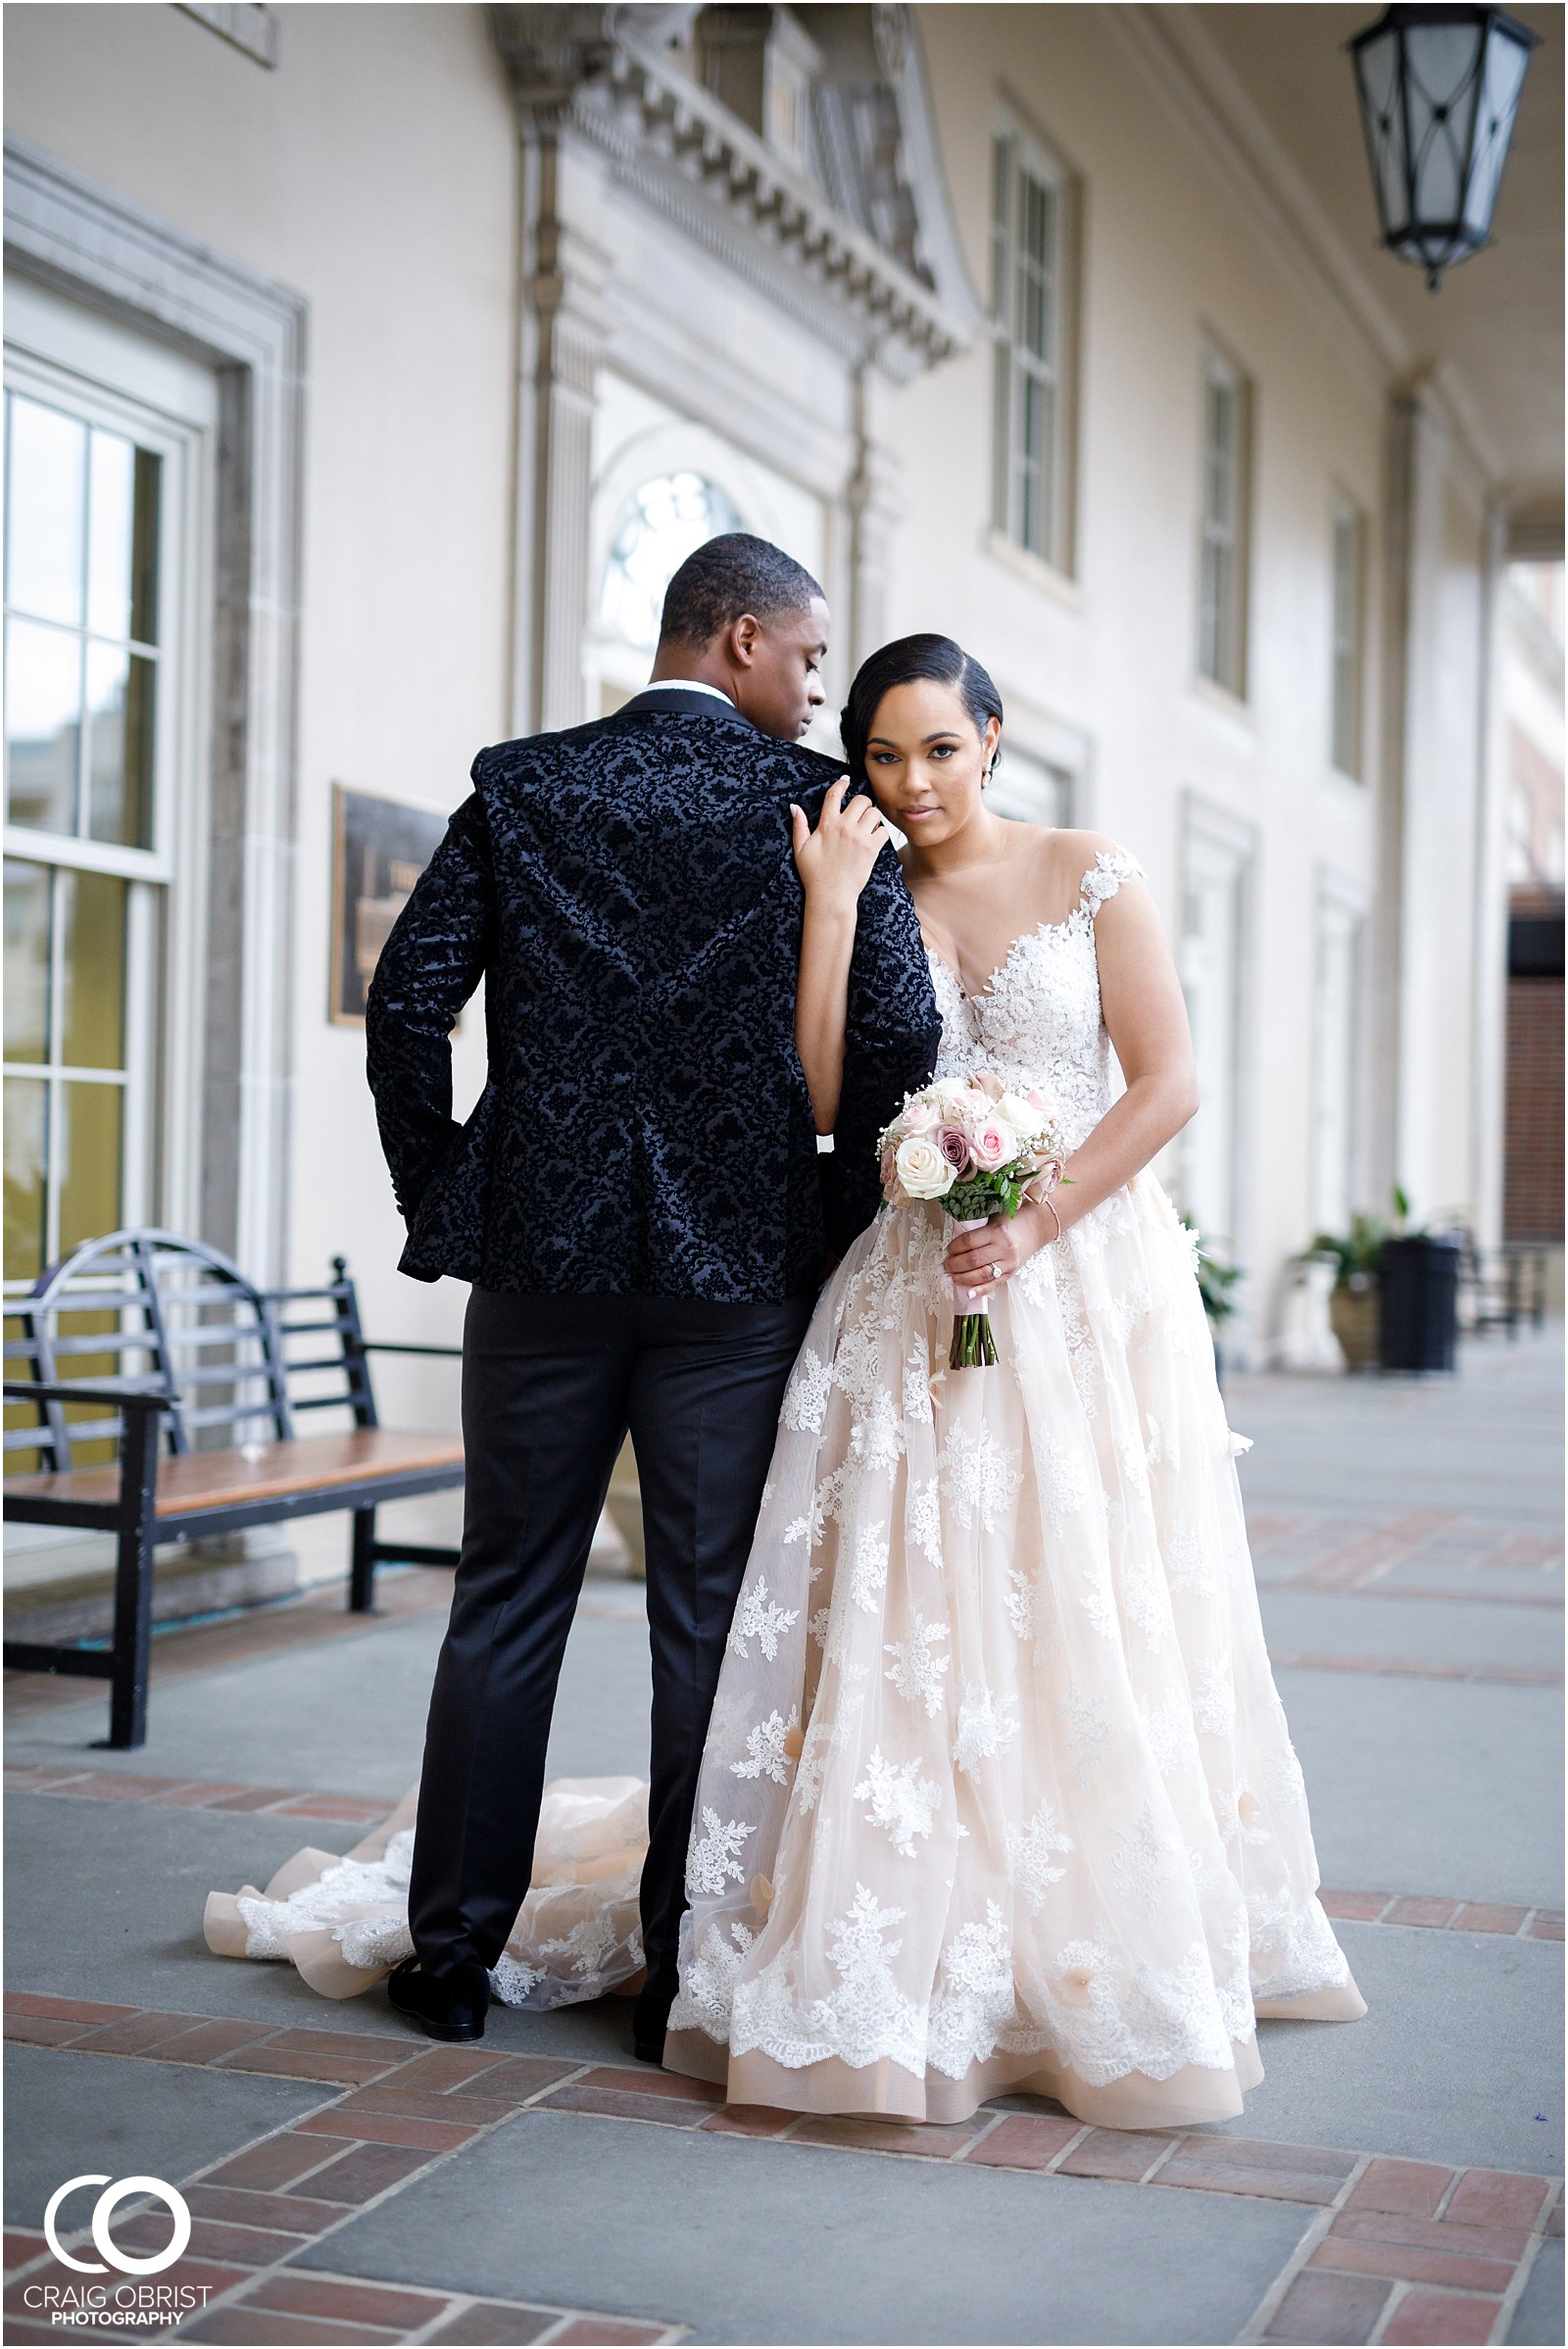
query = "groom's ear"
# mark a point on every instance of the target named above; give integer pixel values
(742, 637)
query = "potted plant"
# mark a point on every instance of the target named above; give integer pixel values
(1354, 1307)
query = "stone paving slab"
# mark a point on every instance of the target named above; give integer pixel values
(1540, 2316)
(1459, 2050)
(1407, 2250)
(350, 1713)
(113, 1894)
(73, 1865)
(68, 2113)
(1441, 1633)
(747, 2241)
(1488, 1442)
(1432, 1785)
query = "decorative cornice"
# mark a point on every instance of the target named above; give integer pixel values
(594, 70)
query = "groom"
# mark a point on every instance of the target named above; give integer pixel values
(636, 1202)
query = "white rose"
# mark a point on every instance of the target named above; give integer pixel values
(1023, 1117)
(921, 1168)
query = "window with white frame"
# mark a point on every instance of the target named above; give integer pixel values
(1349, 630)
(1223, 543)
(1031, 790)
(1336, 1025)
(1213, 880)
(100, 502)
(1032, 256)
(667, 520)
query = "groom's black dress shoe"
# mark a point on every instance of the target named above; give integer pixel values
(649, 2018)
(445, 2006)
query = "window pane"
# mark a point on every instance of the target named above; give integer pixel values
(93, 915)
(121, 538)
(1347, 639)
(87, 1168)
(144, 548)
(27, 960)
(1036, 221)
(119, 746)
(1002, 185)
(669, 520)
(25, 1193)
(48, 456)
(1208, 612)
(43, 724)
(110, 511)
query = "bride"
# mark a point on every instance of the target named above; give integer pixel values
(998, 1793)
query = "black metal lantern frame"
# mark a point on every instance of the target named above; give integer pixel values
(1440, 88)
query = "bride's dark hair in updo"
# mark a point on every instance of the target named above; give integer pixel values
(901, 663)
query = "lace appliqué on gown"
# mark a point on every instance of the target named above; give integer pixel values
(344, 1923)
(1043, 1826)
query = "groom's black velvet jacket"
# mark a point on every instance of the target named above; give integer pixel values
(628, 894)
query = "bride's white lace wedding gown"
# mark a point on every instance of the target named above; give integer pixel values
(999, 1792)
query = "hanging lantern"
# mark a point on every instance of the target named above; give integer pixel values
(1438, 88)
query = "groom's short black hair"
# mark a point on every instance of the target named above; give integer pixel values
(727, 576)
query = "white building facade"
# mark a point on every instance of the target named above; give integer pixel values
(369, 370)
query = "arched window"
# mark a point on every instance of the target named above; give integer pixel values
(666, 521)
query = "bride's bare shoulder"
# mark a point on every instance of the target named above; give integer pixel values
(1082, 851)
(1071, 855)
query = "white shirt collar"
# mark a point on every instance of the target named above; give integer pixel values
(690, 685)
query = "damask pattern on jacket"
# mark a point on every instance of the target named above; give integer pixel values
(628, 892)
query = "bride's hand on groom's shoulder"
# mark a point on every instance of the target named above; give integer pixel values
(835, 861)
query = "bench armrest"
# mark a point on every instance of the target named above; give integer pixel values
(385, 1346)
(115, 1399)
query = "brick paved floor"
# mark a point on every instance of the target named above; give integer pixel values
(1395, 2181)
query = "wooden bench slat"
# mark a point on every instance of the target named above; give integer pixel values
(216, 1480)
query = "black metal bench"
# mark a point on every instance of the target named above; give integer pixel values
(1502, 1287)
(161, 1400)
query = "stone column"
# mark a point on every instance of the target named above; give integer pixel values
(563, 295)
(550, 54)
(871, 504)
(1491, 900)
(1434, 1076)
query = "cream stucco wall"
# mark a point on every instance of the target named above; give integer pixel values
(1168, 251)
(375, 173)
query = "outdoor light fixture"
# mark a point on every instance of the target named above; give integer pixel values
(1438, 88)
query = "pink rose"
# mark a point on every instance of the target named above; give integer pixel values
(995, 1145)
(918, 1117)
(954, 1144)
(988, 1084)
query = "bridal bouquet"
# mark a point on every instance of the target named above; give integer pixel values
(981, 1150)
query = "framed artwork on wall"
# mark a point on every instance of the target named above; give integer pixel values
(379, 850)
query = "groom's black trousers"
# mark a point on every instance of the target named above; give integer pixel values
(550, 1387)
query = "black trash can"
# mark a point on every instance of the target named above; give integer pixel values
(1419, 1299)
